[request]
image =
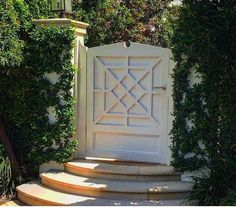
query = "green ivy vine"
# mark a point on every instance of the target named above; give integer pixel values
(38, 109)
(50, 51)
(204, 128)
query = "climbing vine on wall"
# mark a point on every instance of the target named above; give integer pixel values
(48, 64)
(36, 77)
(204, 128)
(39, 105)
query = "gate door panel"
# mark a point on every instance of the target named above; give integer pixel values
(127, 102)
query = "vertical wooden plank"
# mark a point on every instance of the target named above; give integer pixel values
(81, 101)
(127, 73)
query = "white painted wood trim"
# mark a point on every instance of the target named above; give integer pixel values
(81, 105)
(90, 85)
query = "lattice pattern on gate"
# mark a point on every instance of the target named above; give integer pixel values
(126, 87)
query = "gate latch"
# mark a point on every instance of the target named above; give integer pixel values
(164, 87)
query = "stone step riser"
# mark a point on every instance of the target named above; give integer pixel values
(35, 201)
(93, 192)
(121, 177)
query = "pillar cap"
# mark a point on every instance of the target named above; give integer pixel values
(80, 27)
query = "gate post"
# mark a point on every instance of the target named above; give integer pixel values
(79, 90)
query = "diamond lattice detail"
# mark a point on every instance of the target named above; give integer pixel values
(127, 91)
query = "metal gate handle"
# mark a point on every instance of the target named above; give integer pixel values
(161, 87)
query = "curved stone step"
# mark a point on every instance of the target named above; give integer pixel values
(35, 194)
(73, 184)
(128, 172)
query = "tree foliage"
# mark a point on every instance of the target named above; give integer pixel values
(10, 44)
(204, 130)
(119, 20)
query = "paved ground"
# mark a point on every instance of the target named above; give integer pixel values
(104, 202)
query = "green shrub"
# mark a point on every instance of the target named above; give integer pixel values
(214, 187)
(8, 181)
(204, 40)
(230, 198)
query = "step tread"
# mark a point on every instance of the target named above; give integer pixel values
(116, 186)
(37, 191)
(128, 169)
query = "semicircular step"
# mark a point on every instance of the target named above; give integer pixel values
(142, 190)
(35, 194)
(128, 172)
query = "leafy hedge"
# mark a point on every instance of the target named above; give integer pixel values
(204, 129)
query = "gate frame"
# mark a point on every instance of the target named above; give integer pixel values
(81, 106)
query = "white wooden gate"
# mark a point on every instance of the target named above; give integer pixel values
(127, 102)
